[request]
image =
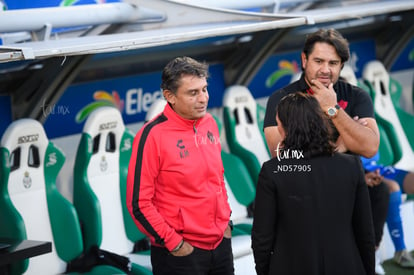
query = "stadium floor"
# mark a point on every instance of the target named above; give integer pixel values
(391, 268)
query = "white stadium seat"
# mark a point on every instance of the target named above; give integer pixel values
(378, 79)
(100, 172)
(31, 206)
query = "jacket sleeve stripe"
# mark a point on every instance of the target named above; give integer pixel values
(137, 180)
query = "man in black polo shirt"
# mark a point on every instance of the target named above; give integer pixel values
(349, 108)
(323, 58)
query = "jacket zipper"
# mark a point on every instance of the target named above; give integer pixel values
(194, 127)
(195, 133)
(215, 204)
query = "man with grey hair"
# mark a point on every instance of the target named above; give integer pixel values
(175, 187)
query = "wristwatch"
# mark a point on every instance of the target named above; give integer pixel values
(333, 111)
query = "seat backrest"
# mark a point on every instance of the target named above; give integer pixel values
(30, 205)
(243, 135)
(295, 77)
(406, 118)
(260, 114)
(100, 171)
(377, 78)
(349, 75)
(239, 185)
(155, 108)
(386, 150)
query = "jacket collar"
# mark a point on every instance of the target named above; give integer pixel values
(171, 114)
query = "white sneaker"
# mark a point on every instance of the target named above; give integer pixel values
(404, 259)
(379, 270)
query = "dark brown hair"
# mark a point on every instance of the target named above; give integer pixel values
(176, 68)
(306, 126)
(331, 37)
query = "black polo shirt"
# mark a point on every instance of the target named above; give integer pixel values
(354, 100)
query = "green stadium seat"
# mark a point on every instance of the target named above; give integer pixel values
(261, 111)
(377, 79)
(390, 148)
(31, 207)
(348, 74)
(100, 172)
(243, 135)
(240, 189)
(155, 108)
(389, 151)
(406, 119)
(241, 193)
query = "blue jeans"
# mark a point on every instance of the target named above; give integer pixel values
(200, 262)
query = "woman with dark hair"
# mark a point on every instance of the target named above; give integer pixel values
(313, 214)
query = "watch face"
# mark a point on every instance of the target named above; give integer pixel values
(331, 111)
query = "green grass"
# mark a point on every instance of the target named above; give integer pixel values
(392, 268)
